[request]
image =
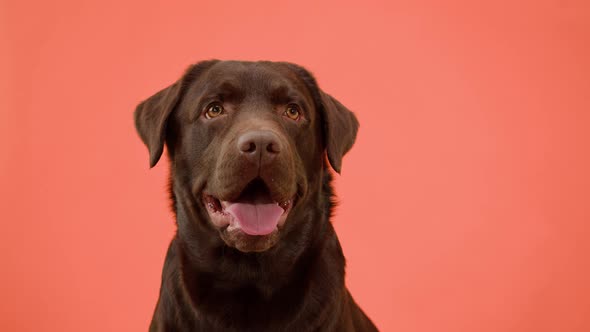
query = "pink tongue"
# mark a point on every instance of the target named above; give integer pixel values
(256, 219)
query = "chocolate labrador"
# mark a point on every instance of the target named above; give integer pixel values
(250, 146)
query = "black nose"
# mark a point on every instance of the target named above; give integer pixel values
(259, 146)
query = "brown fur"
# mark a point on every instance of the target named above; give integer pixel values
(219, 281)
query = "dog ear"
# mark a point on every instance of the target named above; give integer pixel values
(151, 115)
(340, 128)
(339, 124)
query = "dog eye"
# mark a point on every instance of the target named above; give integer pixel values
(292, 112)
(214, 110)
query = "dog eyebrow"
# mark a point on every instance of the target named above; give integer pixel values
(227, 90)
(227, 87)
(284, 94)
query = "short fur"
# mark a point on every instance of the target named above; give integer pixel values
(214, 281)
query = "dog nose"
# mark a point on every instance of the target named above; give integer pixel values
(259, 146)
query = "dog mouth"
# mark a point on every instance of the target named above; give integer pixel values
(254, 212)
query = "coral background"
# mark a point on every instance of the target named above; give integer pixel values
(465, 203)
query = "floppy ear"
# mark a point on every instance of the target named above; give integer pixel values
(340, 127)
(151, 117)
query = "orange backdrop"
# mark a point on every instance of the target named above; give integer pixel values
(465, 201)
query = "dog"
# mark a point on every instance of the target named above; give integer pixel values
(251, 145)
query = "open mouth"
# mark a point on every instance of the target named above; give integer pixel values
(254, 212)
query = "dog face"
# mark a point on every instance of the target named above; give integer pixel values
(247, 143)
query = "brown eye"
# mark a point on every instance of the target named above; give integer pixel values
(213, 111)
(292, 112)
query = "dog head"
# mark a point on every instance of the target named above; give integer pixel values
(247, 143)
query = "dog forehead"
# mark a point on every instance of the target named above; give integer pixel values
(262, 77)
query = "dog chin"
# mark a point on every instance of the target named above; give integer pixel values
(236, 238)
